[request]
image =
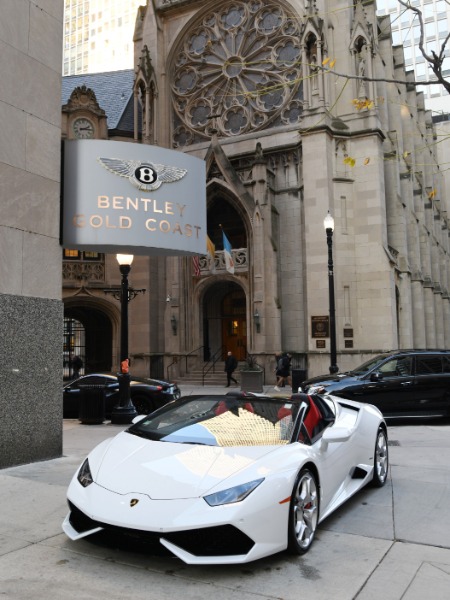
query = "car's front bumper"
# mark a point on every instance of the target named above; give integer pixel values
(189, 528)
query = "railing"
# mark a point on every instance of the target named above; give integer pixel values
(189, 353)
(211, 364)
(178, 358)
(240, 259)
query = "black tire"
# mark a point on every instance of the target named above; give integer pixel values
(380, 459)
(303, 512)
(143, 405)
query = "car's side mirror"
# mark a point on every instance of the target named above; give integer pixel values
(376, 376)
(337, 434)
(333, 435)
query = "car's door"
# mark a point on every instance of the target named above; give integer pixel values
(72, 392)
(111, 391)
(338, 458)
(71, 395)
(390, 387)
(432, 384)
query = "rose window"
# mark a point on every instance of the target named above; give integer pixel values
(237, 71)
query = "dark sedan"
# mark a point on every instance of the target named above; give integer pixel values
(146, 394)
(400, 384)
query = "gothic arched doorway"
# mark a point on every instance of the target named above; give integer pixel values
(97, 336)
(225, 320)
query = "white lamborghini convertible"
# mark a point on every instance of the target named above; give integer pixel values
(229, 479)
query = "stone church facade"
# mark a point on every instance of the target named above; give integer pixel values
(288, 104)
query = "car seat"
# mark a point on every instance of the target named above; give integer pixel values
(312, 419)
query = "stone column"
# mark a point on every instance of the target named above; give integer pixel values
(437, 288)
(264, 265)
(418, 316)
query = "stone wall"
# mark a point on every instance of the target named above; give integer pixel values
(30, 267)
(30, 379)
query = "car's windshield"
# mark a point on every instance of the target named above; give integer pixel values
(222, 421)
(368, 366)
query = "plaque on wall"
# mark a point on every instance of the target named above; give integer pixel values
(320, 344)
(348, 343)
(348, 333)
(320, 327)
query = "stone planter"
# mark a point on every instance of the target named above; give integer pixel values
(251, 381)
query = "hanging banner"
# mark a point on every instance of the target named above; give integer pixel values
(123, 196)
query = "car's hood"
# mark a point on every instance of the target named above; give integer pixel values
(165, 470)
(328, 380)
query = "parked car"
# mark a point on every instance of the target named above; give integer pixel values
(146, 394)
(401, 383)
(228, 479)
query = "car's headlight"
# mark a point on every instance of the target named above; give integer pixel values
(84, 474)
(234, 494)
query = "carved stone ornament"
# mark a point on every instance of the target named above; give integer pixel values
(237, 71)
(83, 97)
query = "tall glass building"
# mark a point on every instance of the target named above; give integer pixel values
(406, 32)
(98, 35)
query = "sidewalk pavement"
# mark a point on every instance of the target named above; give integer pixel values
(391, 543)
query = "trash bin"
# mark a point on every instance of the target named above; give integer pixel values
(92, 404)
(298, 377)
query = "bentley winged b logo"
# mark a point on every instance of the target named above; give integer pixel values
(143, 175)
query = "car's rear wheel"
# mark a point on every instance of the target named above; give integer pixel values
(303, 512)
(381, 459)
(143, 405)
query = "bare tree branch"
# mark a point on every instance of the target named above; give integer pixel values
(435, 61)
(381, 79)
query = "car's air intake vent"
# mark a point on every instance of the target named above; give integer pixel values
(224, 540)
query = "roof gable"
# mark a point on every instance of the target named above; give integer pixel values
(113, 90)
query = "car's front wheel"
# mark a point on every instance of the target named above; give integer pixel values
(303, 512)
(143, 405)
(381, 459)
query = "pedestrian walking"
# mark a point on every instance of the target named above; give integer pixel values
(287, 364)
(282, 370)
(230, 366)
(77, 364)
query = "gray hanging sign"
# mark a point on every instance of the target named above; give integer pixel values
(123, 196)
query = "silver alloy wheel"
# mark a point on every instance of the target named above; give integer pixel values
(305, 510)
(381, 458)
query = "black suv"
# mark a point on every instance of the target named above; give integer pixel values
(402, 383)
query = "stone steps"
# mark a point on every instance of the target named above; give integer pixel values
(195, 377)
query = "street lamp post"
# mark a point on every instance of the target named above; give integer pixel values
(328, 224)
(124, 412)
